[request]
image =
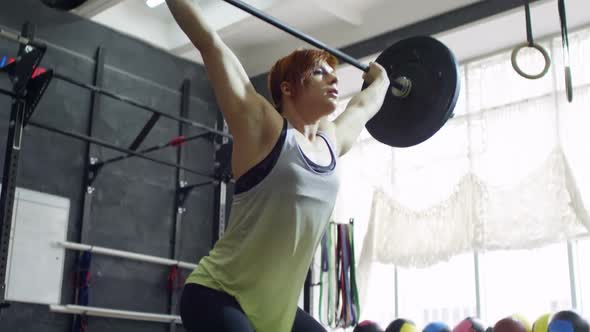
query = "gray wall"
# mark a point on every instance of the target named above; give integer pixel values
(133, 201)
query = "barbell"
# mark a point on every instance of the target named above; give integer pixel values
(424, 78)
(423, 72)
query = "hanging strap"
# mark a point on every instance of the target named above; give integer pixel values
(82, 285)
(339, 281)
(325, 267)
(325, 263)
(322, 277)
(345, 283)
(175, 280)
(355, 294)
(331, 278)
(348, 309)
(349, 295)
(566, 49)
(529, 28)
(338, 263)
(530, 43)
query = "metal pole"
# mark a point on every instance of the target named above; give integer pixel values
(127, 255)
(181, 140)
(571, 259)
(10, 173)
(18, 38)
(477, 284)
(179, 200)
(113, 313)
(396, 290)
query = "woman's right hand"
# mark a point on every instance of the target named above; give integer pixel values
(375, 72)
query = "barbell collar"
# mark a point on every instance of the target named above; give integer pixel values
(401, 87)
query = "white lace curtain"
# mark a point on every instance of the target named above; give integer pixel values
(511, 170)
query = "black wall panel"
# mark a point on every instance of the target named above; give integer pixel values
(133, 200)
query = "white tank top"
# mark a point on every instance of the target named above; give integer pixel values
(274, 229)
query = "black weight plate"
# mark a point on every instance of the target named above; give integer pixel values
(63, 4)
(433, 70)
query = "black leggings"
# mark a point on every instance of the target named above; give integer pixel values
(204, 309)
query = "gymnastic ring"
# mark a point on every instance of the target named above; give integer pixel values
(538, 48)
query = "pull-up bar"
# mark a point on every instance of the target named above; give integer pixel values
(126, 254)
(112, 313)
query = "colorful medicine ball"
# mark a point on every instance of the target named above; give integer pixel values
(436, 327)
(542, 323)
(470, 324)
(568, 321)
(510, 324)
(367, 326)
(525, 322)
(401, 325)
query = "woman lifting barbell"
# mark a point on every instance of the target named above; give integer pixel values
(284, 161)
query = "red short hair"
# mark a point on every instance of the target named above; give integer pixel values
(296, 68)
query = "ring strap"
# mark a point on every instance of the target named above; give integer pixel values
(530, 43)
(565, 48)
(529, 29)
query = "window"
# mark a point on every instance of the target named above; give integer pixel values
(505, 129)
(443, 292)
(527, 282)
(583, 276)
(380, 295)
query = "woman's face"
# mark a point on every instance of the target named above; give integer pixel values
(320, 90)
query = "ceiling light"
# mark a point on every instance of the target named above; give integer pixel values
(154, 3)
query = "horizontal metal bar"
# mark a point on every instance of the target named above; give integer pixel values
(91, 60)
(112, 313)
(127, 255)
(17, 37)
(192, 186)
(138, 104)
(153, 148)
(23, 40)
(8, 93)
(117, 148)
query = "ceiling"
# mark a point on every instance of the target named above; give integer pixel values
(337, 23)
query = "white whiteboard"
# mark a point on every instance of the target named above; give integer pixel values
(34, 271)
